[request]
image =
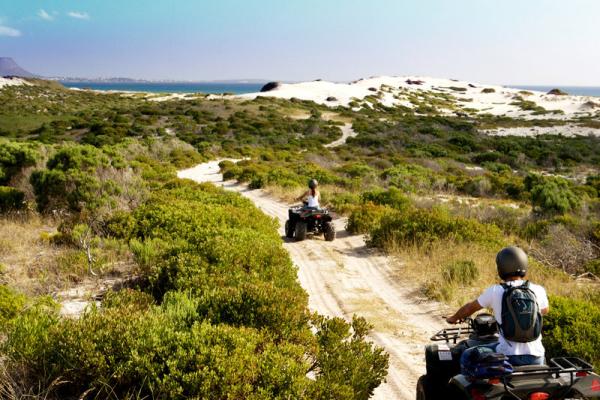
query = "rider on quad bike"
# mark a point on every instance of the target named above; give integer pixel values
(312, 196)
(518, 307)
(462, 364)
(501, 356)
(309, 218)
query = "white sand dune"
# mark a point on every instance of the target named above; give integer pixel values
(11, 82)
(464, 96)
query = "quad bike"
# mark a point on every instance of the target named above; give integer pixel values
(562, 378)
(303, 220)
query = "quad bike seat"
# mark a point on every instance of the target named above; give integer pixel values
(527, 368)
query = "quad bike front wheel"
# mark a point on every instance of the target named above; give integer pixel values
(289, 229)
(328, 231)
(300, 230)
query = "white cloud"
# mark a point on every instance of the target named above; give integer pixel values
(78, 15)
(44, 15)
(8, 31)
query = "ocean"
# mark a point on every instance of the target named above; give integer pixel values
(160, 87)
(575, 90)
(240, 88)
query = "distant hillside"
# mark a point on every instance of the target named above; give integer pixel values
(8, 67)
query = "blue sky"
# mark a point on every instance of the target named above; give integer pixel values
(509, 41)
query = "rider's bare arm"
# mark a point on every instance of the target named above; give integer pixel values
(545, 311)
(304, 195)
(465, 311)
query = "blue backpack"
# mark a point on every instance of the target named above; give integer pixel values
(521, 316)
(481, 362)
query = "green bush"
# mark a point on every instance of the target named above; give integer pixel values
(366, 218)
(11, 303)
(77, 157)
(423, 226)
(551, 194)
(413, 178)
(571, 328)
(593, 266)
(392, 197)
(14, 157)
(11, 199)
(356, 170)
(344, 356)
(73, 181)
(224, 295)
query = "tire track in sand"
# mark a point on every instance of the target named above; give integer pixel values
(343, 278)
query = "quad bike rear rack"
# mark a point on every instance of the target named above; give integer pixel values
(565, 368)
(452, 334)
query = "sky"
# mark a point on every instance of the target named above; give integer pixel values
(505, 42)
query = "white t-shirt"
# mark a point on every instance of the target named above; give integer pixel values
(313, 201)
(492, 298)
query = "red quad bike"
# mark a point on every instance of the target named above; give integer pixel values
(562, 378)
(303, 220)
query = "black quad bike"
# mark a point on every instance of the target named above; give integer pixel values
(303, 220)
(562, 378)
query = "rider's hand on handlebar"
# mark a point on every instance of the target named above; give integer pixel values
(452, 320)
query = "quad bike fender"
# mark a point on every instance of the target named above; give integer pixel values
(459, 387)
(460, 382)
(588, 386)
(464, 388)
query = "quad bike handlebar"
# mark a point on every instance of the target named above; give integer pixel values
(483, 325)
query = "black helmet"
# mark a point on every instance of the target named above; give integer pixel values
(511, 261)
(312, 183)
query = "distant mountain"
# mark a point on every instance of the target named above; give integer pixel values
(8, 67)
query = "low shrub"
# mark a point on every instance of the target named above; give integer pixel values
(421, 227)
(392, 197)
(571, 328)
(14, 157)
(11, 199)
(593, 266)
(11, 303)
(222, 293)
(367, 217)
(551, 194)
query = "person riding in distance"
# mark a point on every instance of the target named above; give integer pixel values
(512, 268)
(312, 195)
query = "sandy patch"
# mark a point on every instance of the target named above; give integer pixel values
(569, 130)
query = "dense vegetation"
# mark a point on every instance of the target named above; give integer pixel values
(220, 292)
(215, 290)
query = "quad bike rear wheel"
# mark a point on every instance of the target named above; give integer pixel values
(426, 389)
(300, 230)
(328, 231)
(289, 229)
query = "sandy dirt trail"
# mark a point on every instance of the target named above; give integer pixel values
(344, 278)
(347, 132)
